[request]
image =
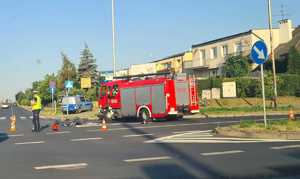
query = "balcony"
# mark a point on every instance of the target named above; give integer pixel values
(195, 64)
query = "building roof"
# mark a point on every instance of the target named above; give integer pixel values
(172, 56)
(222, 39)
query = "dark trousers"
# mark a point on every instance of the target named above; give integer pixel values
(36, 120)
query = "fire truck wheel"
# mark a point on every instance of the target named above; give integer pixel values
(144, 115)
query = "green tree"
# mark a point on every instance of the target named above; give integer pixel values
(293, 61)
(236, 66)
(87, 66)
(67, 72)
(43, 88)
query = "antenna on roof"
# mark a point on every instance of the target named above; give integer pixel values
(283, 13)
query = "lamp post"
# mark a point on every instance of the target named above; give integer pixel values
(113, 34)
(272, 52)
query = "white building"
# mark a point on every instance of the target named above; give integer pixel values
(209, 57)
(139, 69)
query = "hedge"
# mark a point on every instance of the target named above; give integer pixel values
(287, 85)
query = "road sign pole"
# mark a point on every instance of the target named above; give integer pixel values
(67, 103)
(52, 97)
(263, 93)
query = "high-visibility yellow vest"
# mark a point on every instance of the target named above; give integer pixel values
(38, 103)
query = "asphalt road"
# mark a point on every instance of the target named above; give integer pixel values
(171, 149)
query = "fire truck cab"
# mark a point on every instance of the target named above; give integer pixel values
(149, 97)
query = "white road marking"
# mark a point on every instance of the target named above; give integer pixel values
(181, 132)
(109, 124)
(201, 137)
(179, 125)
(16, 135)
(222, 153)
(88, 125)
(285, 147)
(65, 166)
(148, 159)
(26, 143)
(23, 117)
(62, 132)
(85, 139)
(3, 118)
(138, 135)
(30, 117)
(171, 125)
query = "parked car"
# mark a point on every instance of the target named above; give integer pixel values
(4, 105)
(77, 104)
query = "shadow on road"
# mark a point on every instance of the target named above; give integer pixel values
(44, 127)
(157, 171)
(187, 160)
(3, 137)
(203, 170)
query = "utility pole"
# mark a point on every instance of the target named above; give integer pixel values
(272, 52)
(113, 34)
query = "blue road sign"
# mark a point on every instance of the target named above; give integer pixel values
(52, 90)
(52, 84)
(259, 52)
(68, 84)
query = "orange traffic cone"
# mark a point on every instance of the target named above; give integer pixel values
(103, 126)
(55, 126)
(291, 115)
(13, 124)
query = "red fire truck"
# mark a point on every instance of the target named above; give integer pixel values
(148, 97)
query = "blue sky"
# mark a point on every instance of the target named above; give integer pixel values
(35, 30)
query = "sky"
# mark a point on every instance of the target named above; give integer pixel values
(33, 33)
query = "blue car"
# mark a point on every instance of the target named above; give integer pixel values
(76, 104)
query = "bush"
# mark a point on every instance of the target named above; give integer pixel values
(290, 85)
(247, 123)
(247, 87)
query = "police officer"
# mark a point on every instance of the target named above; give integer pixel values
(36, 104)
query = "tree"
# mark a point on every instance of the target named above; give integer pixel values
(67, 72)
(43, 88)
(293, 61)
(87, 66)
(236, 66)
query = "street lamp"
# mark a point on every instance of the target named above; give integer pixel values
(272, 52)
(113, 34)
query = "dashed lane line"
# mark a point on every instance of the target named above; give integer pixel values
(171, 125)
(64, 166)
(148, 159)
(285, 147)
(222, 153)
(23, 117)
(11, 135)
(98, 125)
(86, 139)
(138, 135)
(181, 132)
(28, 143)
(15, 135)
(55, 133)
(3, 118)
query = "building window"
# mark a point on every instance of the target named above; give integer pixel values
(224, 50)
(202, 55)
(238, 48)
(214, 53)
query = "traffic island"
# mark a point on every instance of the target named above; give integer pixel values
(251, 129)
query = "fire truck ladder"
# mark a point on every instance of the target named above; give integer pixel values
(192, 83)
(143, 75)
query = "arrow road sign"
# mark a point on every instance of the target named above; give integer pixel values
(68, 84)
(259, 52)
